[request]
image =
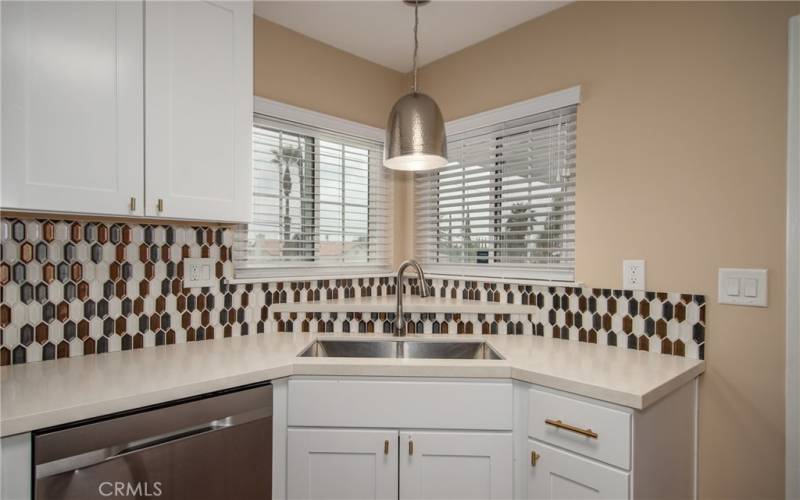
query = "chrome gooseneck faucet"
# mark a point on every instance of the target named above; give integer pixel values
(399, 321)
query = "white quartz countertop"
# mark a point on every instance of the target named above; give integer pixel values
(43, 394)
(412, 303)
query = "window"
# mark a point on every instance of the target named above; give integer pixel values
(505, 204)
(319, 200)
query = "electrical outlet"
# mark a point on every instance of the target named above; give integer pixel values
(198, 273)
(633, 274)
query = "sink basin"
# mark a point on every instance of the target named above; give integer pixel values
(412, 349)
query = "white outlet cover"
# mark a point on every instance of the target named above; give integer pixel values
(742, 287)
(634, 273)
(198, 273)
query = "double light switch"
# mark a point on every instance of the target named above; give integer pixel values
(746, 287)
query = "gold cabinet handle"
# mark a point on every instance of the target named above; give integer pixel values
(133, 203)
(410, 447)
(160, 205)
(534, 458)
(561, 425)
(386, 447)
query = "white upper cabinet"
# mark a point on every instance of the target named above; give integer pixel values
(72, 122)
(199, 109)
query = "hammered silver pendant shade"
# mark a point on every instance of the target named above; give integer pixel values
(415, 135)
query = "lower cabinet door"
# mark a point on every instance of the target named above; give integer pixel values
(341, 464)
(554, 473)
(456, 465)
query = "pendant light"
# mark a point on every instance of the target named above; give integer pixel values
(415, 136)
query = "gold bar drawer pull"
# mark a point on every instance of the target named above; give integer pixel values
(561, 425)
(534, 458)
(386, 447)
(410, 447)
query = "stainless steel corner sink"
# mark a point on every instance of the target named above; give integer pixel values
(411, 349)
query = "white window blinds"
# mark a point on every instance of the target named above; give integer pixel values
(505, 204)
(320, 200)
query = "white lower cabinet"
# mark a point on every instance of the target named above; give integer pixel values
(415, 438)
(558, 474)
(341, 463)
(456, 465)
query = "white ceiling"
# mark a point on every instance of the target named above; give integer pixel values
(381, 31)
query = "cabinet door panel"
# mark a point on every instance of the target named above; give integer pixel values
(72, 121)
(199, 109)
(341, 464)
(559, 474)
(455, 465)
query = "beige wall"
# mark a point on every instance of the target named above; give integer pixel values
(681, 158)
(294, 69)
(681, 161)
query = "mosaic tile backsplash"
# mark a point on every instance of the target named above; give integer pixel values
(72, 288)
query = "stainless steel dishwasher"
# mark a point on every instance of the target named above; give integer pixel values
(215, 446)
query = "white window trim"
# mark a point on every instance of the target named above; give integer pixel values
(521, 109)
(337, 125)
(548, 102)
(304, 116)
(793, 265)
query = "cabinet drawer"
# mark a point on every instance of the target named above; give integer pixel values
(344, 402)
(560, 420)
(560, 474)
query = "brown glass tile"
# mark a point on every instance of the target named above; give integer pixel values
(62, 311)
(170, 337)
(607, 322)
(138, 341)
(41, 333)
(592, 337)
(144, 288)
(680, 311)
(227, 331)
(62, 351)
(161, 304)
(75, 232)
(83, 290)
(138, 305)
(89, 346)
(48, 273)
(180, 303)
(644, 308)
(204, 252)
(48, 231)
(627, 324)
(127, 234)
(5, 273)
(245, 299)
(102, 234)
(155, 322)
(661, 328)
(120, 289)
(26, 252)
(209, 332)
(76, 271)
(120, 326)
(186, 319)
(582, 335)
(644, 343)
(678, 349)
(219, 270)
(611, 305)
(223, 254)
(5, 315)
(149, 271)
(83, 329)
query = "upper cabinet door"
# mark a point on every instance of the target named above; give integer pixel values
(72, 93)
(199, 109)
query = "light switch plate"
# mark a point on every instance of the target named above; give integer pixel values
(198, 273)
(633, 274)
(743, 287)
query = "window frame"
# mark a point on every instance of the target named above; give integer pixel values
(549, 102)
(338, 126)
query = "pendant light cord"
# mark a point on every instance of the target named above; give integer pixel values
(416, 41)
